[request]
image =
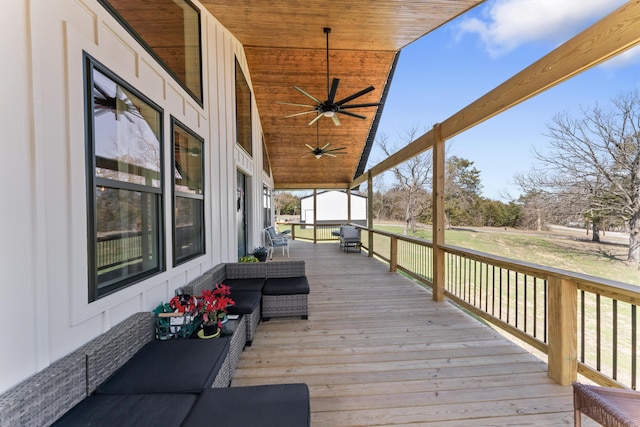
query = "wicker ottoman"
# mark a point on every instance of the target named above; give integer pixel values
(284, 297)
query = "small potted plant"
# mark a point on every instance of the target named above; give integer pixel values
(260, 253)
(248, 258)
(214, 310)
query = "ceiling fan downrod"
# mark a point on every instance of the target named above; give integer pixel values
(327, 30)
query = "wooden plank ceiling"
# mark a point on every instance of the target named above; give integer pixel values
(285, 46)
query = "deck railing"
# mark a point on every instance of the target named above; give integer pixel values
(584, 324)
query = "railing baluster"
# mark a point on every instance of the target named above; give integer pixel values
(525, 302)
(615, 340)
(517, 302)
(500, 293)
(535, 307)
(598, 334)
(634, 343)
(545, 305)
(582, 326)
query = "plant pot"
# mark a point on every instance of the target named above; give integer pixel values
(209, 331)
(261, 257)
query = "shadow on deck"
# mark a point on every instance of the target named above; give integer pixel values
(377, 350)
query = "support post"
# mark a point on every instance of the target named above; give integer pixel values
(315, 216)
(348, 206)
(438, 215)
(370, 212)
(563, 330)
(393, 255)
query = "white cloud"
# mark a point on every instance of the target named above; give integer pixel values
(625, 59)
(503, 25)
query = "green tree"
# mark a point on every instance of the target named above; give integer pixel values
(462, 191)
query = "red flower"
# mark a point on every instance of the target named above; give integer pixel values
(215, 303)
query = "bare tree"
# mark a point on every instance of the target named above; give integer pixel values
(539, 205)
(412, 178)
(594, 164)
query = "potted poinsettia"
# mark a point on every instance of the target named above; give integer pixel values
(214, 308)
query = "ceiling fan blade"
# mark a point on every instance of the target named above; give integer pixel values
(329, 154)
(354, 96)
(371, 104)
(300, 114)
(302, 91)
(336, 120)
(326, 145)
(348, 113)
(315, 119)
(337, 149)
(296, 105)
(309, 147)
(333, 90)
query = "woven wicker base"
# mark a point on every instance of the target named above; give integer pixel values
(238, 339)
(608, 406)
(284, 305)
(252, 321)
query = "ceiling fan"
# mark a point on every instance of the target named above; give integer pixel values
(318, 152)
(331, 107)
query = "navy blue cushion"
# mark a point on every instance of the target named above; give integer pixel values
(286, 286)
(237, 285)
(129, 410)
(277, 405)
(172, 366)
(246, 302)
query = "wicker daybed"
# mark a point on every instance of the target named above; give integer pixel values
(125, 377)
(613, 407)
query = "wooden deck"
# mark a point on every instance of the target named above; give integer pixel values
(377, 351)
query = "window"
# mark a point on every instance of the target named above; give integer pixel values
(266, 166)
(266, 206)
(170, 31)
(243, 111)
(124, 191)
(188, 192)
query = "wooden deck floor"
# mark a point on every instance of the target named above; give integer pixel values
(377, 351)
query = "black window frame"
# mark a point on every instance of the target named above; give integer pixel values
(248, 147)
(175, 194)
(267, 202)
(266, 164)
(198, 97)
(94, 291)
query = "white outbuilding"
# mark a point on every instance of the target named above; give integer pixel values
(333, 208)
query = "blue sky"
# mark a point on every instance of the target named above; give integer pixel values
(451, 67)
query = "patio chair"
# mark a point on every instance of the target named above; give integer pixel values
(285, 233)
(350, 238)
(608, 406)
(274, 241)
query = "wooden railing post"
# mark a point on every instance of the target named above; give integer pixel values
(563, 330)
(315, 215)
(370, 212)
(438, 215)
(393, 255)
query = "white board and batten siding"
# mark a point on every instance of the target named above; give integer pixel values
(43, 257)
